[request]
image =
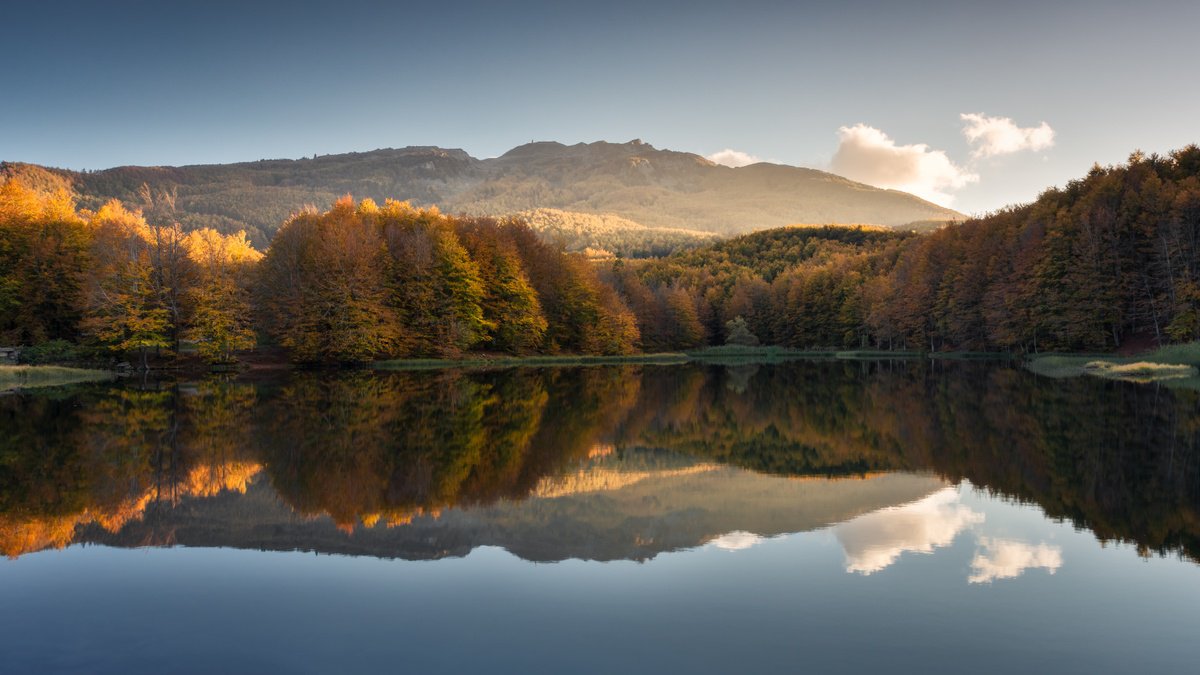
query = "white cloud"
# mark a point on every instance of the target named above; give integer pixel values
(1001, 136)
(1008, 558)
(868, 155)
(874, 541)
(734, 158)
(737, 540)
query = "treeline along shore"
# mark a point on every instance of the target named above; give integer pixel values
(1108, 260)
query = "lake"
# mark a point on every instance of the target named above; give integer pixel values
(823, 516)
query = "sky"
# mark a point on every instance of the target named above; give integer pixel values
(969, 104)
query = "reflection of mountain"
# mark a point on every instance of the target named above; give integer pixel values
(366, 449)
(660, 510)
(22, 534)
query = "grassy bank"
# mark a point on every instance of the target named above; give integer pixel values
(28, 377)
(972, 356)
(877, 354)
(726, 354)
(762, 354)
(530, 361)
(718, 355)
(1175, 365)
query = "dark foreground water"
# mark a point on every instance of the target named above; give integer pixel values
(804, 517)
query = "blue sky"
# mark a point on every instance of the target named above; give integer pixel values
(850, 86)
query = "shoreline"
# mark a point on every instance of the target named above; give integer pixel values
(20, 377)
(1169, 361)
(1174, 366)
(711, 355)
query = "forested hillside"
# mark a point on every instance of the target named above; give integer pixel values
(634, 181)
(1109, 257)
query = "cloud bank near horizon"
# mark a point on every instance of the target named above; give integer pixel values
(993, 136)
(733, 158)
(868, 155)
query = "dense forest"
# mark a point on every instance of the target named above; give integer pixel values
(109, 279)
(355, 283)
(1109, 259)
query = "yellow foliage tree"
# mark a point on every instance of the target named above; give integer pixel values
(43, 255)
(124, 312)
(220, 323)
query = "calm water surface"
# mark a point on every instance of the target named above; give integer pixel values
(799, 517)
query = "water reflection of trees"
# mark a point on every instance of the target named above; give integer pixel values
(365, 447)
(101, 456)
(1119, 459)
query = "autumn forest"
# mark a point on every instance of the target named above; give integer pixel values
(1110, 258)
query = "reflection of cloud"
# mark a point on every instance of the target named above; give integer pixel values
(737, 540)
(874, 541)
(1007, 558)
(734, 158)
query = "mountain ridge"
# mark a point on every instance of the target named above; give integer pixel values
(656, 188)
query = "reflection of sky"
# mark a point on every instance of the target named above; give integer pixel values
(875, 541)
(98, 609)
(1008, 558)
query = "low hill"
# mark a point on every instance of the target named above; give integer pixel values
(651, 187)
(770, 252)
(607, 234)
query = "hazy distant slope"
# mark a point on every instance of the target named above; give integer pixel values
(655, 188)
(612, 234)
